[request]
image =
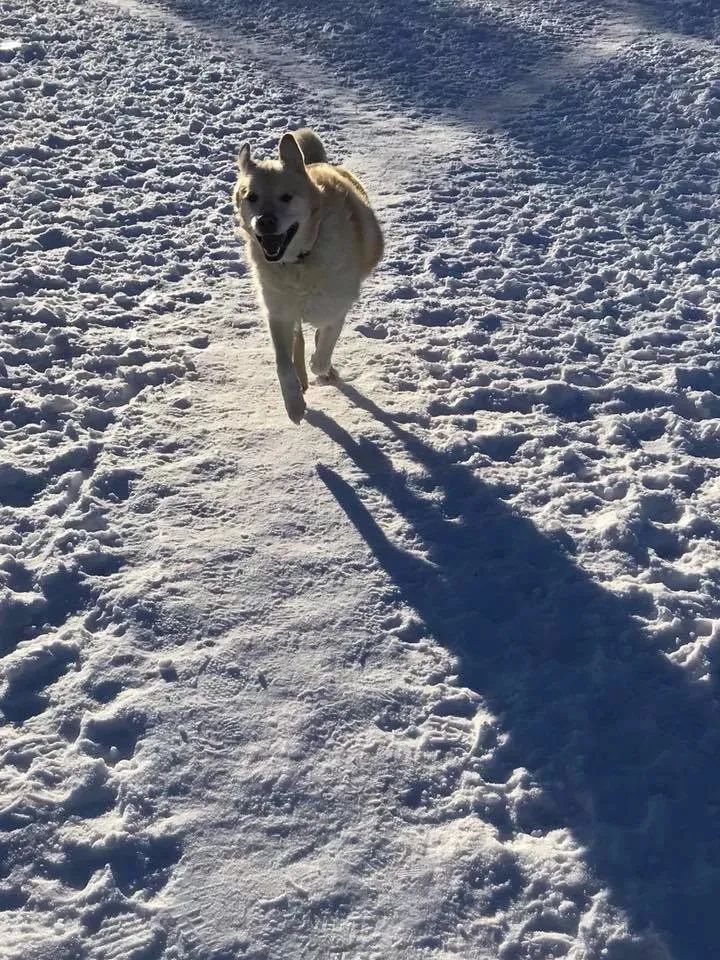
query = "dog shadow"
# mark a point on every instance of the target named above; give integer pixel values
(622, 743)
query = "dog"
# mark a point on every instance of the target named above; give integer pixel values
(312, 238)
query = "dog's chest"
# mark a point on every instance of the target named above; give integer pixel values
(310, 289)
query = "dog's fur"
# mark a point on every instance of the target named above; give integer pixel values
(312, 238)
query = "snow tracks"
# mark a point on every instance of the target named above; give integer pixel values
(433, 674)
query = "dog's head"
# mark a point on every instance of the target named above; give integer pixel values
(274, 199)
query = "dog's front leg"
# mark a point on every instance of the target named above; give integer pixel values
(299, 357)
(282, 331)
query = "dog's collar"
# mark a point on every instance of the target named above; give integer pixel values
(300, 258)
(304, 254)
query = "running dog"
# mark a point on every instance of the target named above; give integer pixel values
(312, 238)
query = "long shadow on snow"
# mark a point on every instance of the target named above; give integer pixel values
(694, 18)
(428, 53)
(419, 52)
(608, 725)
(623, 119)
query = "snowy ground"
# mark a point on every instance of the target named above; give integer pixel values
(434, 674)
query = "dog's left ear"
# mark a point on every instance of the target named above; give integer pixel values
(245, 161)
(290, 153)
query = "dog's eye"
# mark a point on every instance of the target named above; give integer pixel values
(251, 197)
(286, 197)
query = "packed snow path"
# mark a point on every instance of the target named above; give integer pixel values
(433, 675)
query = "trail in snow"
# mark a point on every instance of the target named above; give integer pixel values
(434, 673)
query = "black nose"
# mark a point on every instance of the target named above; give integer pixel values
(266, 223)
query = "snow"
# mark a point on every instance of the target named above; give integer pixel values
(435, 673)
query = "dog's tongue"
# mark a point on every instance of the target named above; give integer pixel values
(272, 242)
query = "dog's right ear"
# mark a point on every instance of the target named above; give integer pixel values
(245, 161)
(290, 153)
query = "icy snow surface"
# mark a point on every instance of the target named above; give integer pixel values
(433, 675)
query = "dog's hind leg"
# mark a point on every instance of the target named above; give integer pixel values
(326, 337)
(299, 357)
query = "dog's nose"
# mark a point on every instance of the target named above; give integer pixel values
(266, 223)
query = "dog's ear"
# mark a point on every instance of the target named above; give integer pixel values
(245, 161)
(291, 154)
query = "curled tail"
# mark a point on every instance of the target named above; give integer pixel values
(311, 146)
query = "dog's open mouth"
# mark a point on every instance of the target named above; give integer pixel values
(274, 245)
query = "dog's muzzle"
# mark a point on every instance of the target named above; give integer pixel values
(274, 245)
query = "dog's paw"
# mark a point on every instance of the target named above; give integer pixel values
(293, 398)
(330, 376)
(296, 409)
(318, 367)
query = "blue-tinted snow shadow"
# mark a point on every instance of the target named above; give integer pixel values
(621, 119)
(419, 53)
(429, 54)
(633, 147)
(697, 18)
(622, 743)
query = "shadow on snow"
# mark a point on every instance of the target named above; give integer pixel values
(418, 53)
(429, 53)
(623, 744)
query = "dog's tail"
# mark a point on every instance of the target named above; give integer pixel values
(311, 146)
